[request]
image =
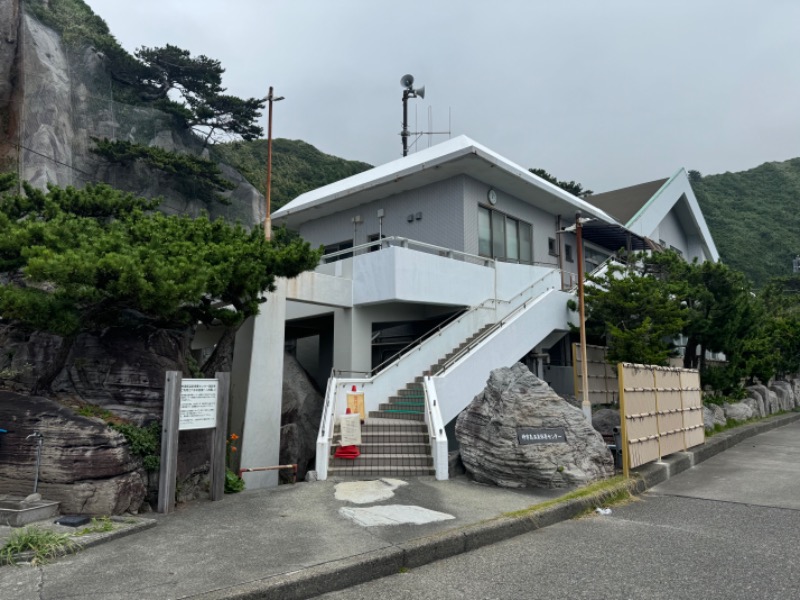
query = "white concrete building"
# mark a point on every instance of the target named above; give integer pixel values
(439, 267)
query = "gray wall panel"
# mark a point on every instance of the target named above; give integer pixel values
(442, 221)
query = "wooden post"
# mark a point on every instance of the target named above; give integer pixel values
(623, 421)
(169, 442)
(658, 411)
(219, 437)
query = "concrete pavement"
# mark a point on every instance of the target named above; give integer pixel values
(293, 541)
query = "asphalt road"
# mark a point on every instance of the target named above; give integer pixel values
(728, 528)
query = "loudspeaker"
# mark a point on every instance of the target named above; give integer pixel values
(407, 81)
(420, 92)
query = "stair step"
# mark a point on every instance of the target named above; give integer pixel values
(394, 405)
(372, 472)
(392, 448)
(397, 414)
(395, 438)
(385, 460)
(413, 393)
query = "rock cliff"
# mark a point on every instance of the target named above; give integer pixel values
(55, 96)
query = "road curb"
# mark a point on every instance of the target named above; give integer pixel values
(355, 570)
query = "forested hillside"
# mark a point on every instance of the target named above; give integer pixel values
(754, 217)
(297, 167)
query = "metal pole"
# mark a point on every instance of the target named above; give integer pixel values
(268, 219)
(585, 404)
(405, 133)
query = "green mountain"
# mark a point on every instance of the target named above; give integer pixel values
(754, 217)
(297, 167)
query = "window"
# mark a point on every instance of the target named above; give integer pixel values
(374, 238)
(552, 249)
(674, 249)
(329, 249)
(568, 252)
(484, 231)
(525, 243)
(512, 239)
(503, 237)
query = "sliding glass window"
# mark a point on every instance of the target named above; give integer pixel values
(503, 237)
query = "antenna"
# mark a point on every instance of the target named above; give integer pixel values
(407, 81)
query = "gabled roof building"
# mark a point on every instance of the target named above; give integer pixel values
(439, 267)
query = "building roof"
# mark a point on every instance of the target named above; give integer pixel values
(458, 156)
(625, 203)
(641, 208)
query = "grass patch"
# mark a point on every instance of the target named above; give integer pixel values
(44, 544)
(617, 492)
(97, 525)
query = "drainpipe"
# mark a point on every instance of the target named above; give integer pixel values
(558, 251)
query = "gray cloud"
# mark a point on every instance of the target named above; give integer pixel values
(608, 93)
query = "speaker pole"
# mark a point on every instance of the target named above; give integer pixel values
(405, 133)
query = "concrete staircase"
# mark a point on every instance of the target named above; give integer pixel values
(409, 402)
(389, 447)
(395, 439)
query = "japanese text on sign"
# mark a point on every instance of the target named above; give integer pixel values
(541, 435)
(198, 404)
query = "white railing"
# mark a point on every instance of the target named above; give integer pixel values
(406, 243)
(325, 434)
(335, 405)
(438, 438)
(465, 375)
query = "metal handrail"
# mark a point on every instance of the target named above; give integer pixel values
(490, 330)
(499, 324)
(412, 345)
(428, 334)
(405, 242)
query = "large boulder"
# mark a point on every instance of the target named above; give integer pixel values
(784, 393)
(85, 465)
(604, 421)
(756, 402)
(738, 411)
(754, 407)
(301, 411)
(713, 415)
(487, 434)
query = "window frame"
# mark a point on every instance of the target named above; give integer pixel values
(506, 220)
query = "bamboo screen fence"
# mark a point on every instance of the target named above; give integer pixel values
(663, 412)
(603, 384)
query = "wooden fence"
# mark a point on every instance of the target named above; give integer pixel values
(661, 410)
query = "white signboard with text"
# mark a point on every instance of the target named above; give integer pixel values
(198, 404)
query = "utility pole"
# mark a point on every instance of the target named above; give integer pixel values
(268, 220)
(586, 406)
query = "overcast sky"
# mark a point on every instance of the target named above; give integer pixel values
(609, 93)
